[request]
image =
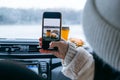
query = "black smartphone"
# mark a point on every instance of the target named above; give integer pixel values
(51, 28)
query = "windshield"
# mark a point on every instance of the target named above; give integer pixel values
(23, 18)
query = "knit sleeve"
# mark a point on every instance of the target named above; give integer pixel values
(78, 64)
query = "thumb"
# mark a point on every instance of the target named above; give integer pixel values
(54, 44)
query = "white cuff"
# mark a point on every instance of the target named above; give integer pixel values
(78, 64)
(70, 54)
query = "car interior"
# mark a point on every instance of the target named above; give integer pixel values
(20, 30)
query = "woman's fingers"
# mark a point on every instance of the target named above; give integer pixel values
(45, 51)
(54, 44)
(40, 43)
(40, 39)
(51, 52)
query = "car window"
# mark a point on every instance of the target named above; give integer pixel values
(23, 18)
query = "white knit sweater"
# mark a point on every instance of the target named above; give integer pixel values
(78, 64)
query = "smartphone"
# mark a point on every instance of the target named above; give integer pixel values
(51, 28)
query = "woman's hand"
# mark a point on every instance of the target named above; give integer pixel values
(61, 45)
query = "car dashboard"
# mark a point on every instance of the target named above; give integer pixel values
(26, 51)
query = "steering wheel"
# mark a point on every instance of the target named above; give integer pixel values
(11, 70)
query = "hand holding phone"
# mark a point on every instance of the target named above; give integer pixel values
(62, 46)
(51, 28)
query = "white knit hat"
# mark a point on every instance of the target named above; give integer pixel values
(101, 23)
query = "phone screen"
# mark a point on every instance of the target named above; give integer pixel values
(51, 30)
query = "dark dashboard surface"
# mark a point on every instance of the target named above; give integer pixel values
(27, 50)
